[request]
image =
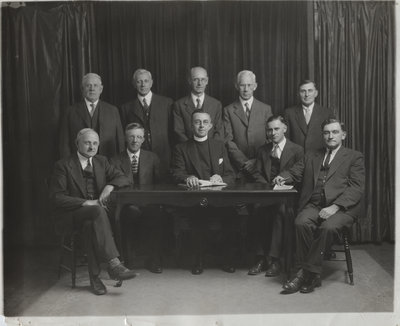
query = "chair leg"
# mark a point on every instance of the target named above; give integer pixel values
(348, 258)
(73, 260)
(61, 256)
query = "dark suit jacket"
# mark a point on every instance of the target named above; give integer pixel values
(291, 154)
(182, 113)
(149, 166)
(308, 136)
(243, 138)
(185, 161)
(67, 186)
(110, 130)
(344, 184)
(160, 125)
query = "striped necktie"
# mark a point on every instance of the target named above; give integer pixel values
(134, 165)
(247, 110)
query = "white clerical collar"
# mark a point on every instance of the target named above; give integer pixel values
(310, 107)
(130, 154)
(88, 103)
(195, 97)
(243, 102)
(148, 98)
(200, 139)
(83, 160)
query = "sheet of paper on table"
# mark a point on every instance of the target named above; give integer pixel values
(284, 187)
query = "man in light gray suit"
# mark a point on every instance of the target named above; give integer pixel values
(245, 123)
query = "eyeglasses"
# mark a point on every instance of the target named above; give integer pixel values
(136, 137)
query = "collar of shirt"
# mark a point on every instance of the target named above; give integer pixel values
(334, 151)
(243, 102)
(195, 97)
(148, 98)
(130, 154)
(311, 108)
(83, 160)
(281, 146)
(88, 103)
(200, 139)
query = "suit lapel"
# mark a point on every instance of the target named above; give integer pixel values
(189, 104)
(126, 165)
(301, 120)
(285, 156)
(337, 161)
(267, 160)
(142, 165)
(214, 156)
(76, 173)
(84, 113)
(317, 162)
(193, 156)
(99, 174)
(240, 113)
(138, 109)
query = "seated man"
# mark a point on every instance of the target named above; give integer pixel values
(142, 167)
(278, 155)
(333, 184)
(204, 158)
(80, 189)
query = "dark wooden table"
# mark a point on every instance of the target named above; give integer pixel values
(178, 196)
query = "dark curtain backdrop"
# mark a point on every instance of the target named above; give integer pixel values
(355, 71)
(47, 49)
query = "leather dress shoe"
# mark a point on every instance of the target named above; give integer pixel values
(295, 283)
(257, 268)
(197, 269)
(120, 273)
(228, 268)
(155, 266)
(273, 270)
(97, 286)
(312, 282)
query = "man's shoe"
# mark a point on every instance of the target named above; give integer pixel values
(97, 286)
(120, 273)
(228, 268)
(156, 266)
(257, 268)
(274, 269)
(197, 269)
(295, 283)
(311, 283)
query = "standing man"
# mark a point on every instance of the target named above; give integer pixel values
(154, 113)
(245, 125)
(142, 167)
(304, 120)
(80, 189)
(278, 155)
(197, 100)
(95, 114)
(205, 158)
(333, 185)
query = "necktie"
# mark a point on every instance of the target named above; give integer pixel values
(198, 106)
(247, 110)
(307, 115)
(328, 158)
(275, 150)
(134, 165)
(145, 105)
(92, 107)
(88, 171)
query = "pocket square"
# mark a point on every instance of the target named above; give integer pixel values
(220, 161)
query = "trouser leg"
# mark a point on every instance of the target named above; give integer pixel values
(325, 236)
(101, 237)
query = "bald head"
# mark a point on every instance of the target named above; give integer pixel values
(198, 80)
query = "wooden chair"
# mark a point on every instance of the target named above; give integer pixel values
(346, 250)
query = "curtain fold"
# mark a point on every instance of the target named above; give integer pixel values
(47, 49)
(355, 72)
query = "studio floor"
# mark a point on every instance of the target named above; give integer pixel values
(33, 289)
